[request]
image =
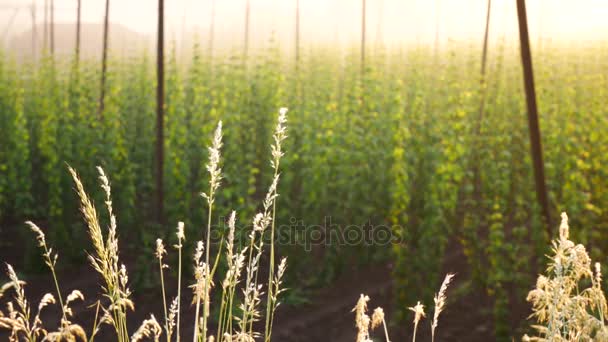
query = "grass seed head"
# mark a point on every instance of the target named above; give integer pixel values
(564, 230)
(160, 249)
(362, 320)
(377, 318)
(180, 231)
(148, 329)
(418, 310)
(440, 301)
(46, 300)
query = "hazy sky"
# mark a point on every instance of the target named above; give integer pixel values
(336, 20)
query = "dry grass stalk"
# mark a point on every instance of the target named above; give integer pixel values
(419, 314)
(160, 252)
(378, 319)
(181, 237)
(203, 272)
(279, 135)
(148, 329)
(105, 261)
(362, 320)
(440, 299)
(563, 307)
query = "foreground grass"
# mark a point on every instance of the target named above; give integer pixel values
(112, 309)
(568, 303)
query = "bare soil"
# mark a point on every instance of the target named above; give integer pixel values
(329, 317)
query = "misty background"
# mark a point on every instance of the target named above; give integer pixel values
(323, 22)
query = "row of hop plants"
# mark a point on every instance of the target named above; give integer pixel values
(496, 221)
(568, 302)
(62, 125)
(407, 113)
(505, 212)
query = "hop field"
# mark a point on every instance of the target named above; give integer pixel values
(402, 145)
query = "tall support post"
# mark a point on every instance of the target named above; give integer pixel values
(535, 136)
(104, 60)
(52, 28)
(363, 31)
(297, 48)
(182, 44)
(34, 31)
(437, 16)
(484, 54)
(212, 30)
(45, 26)
(482, 103)
(160, 104)
(78, 29)
(247, 18)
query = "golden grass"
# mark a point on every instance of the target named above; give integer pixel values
(568, 302)
(105, 260)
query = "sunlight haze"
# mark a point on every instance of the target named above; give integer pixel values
(330, 21)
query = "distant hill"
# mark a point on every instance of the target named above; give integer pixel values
(122, 41)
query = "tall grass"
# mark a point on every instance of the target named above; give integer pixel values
(568, 302)
(364, 323)
(105, 260)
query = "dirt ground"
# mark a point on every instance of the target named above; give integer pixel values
(329, 317)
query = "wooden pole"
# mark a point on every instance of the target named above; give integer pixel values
(78, 28)
(45, 28)
(484, 62)
(436, 31)
(53, 28)
(535, 136)
(160, 104)
(212, 29)
(247, 15)
(183, 36)
(104, 60)
(297, 34)
(34, 31)
(482, 103)
(363, 29)
(484, 53)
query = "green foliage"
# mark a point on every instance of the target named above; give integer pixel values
(401, 144)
